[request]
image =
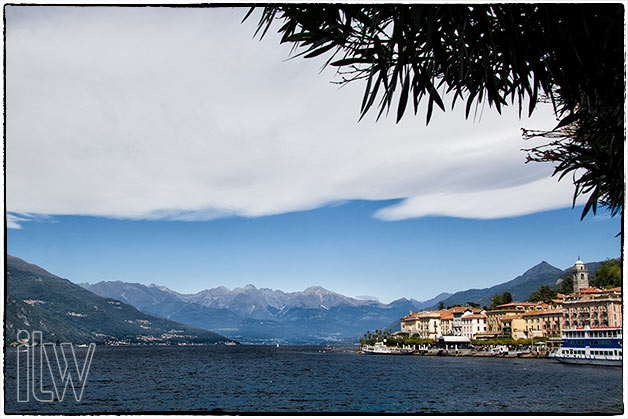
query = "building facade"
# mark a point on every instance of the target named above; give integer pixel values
(472, 324)
(494, 317)
(593, 307)
(543, 323)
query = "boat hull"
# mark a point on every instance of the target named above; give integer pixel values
(590, 361)
(371, 352)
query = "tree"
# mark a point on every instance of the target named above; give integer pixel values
(472, 304)
(566, 287)
(571, 55)
(498, 300)
(544, 293)
(507, 297)
(441, 305)
(608, 275)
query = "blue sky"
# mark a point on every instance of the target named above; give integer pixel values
(342, 248)
(170, 146)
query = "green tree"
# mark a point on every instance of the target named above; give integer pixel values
(566, 287)
(497, 300)
(608, 275)
(472, 304)
(441, 305)
(544, 293)
(506, 297)
(571, 55)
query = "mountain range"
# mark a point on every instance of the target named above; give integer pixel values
(37, 300)
(262, 315)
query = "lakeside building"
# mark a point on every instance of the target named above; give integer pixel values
(495, 317)
(447, 323)
(455, 321)
(472, 324)
(513, 326)
(543, 323)
(593, 307)
(429, 325)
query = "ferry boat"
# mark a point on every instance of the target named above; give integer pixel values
(591, 346)
(381, 348)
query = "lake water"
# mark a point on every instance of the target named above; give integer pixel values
(250, 379)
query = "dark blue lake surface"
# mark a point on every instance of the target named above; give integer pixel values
(250, 379)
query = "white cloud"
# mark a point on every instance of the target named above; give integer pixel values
(14, 221)
(483, 204)
(179, 113)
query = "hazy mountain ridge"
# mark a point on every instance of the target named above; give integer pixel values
(313, 315)
(65, 312)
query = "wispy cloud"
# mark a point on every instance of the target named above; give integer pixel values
(13, 221)
(180, 114)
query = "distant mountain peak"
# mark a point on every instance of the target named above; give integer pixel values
(316, 288)
(541, 267)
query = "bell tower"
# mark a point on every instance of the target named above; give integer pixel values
(580, 276)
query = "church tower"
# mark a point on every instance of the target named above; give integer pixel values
(580, 276)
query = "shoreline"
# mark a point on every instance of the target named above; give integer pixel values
(471, 353)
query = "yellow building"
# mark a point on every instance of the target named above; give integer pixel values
(410, 324)
(513, 326)
(494, 317)
(543, 323)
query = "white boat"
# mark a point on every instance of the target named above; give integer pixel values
(591, 346)
(381, 348)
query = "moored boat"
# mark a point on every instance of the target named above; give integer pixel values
(590, 346)
(382, 349)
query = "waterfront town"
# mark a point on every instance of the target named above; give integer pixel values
(587, 307)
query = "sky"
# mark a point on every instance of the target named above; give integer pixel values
(169, 146)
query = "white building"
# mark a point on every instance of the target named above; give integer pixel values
(472, 323)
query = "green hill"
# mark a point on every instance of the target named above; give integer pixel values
(37, 300)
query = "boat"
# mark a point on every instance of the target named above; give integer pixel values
(590, 346)
(381, 348)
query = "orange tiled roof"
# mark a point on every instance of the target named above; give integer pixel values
(590, 290)
(459, 309)
(541, 312)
